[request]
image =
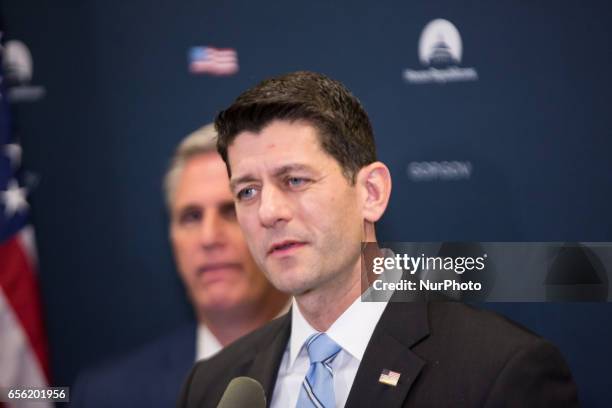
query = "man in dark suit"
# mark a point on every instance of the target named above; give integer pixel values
(230, 295)
(308, 189)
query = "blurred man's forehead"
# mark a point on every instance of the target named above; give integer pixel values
(202, 179)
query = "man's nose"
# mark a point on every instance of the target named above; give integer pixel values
(273, 207)
(212, 230)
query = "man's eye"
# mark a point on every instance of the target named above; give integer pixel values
(246, 193)
(228, 211)
(190, 216)
(296, 181)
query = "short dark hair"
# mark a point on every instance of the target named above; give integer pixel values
(343, 125)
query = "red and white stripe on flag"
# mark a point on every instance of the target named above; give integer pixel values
(23, 343)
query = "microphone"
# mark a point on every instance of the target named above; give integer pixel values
(243, 392)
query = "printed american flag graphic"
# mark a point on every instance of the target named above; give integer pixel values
(213, 61)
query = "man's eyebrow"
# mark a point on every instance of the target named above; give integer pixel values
(240, 180)
(284, 170)
(185, 208)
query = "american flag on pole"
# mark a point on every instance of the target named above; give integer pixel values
(23, 343)
(213, 61)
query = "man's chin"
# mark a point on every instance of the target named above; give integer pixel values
(221, 296)
(293, 288)
(221, 305)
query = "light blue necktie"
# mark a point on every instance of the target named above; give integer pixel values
(318, 387)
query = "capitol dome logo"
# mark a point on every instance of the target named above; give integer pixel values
(440, 51)
(18, 69)
(440, 43)
(17, 62)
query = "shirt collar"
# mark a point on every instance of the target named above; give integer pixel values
(207, 344)
(360, 317)
(300, 331)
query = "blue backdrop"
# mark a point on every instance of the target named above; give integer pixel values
(516, 148)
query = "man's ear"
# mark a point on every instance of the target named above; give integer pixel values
(374, 183)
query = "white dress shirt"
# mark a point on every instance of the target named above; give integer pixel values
(351, 331)
(207, 344)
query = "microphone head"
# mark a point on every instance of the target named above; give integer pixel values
(243, 392)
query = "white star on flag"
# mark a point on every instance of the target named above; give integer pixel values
(14, 198)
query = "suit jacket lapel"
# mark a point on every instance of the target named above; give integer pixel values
(401, 326)
(268, 358)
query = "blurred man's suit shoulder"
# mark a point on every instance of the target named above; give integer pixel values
(447, 354)
(151, 376)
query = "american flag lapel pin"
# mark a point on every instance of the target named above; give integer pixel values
(389, 377)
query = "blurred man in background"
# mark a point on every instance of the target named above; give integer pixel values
(230, 295)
